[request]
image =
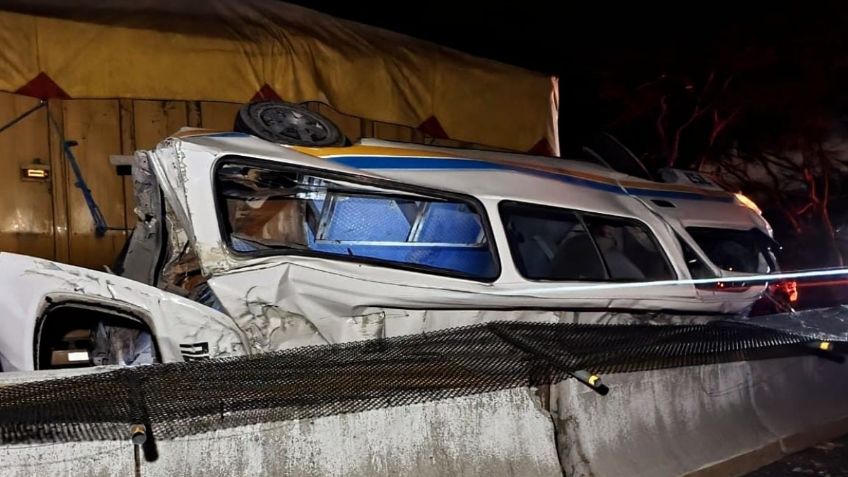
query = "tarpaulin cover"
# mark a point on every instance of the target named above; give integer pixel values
(220, 50)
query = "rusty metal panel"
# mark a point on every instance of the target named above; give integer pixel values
(26, 218)
(193, 118)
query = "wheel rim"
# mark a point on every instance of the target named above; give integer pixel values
(294, 124)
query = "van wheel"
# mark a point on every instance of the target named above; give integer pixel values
(287, 123)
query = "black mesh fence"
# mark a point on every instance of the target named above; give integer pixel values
(179, 399)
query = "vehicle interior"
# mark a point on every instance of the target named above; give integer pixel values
(82, 335)
(268, 210)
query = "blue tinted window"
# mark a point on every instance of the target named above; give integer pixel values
(269, 209)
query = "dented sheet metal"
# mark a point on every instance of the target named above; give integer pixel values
(29, 285)
(146, 241)
(290, 305)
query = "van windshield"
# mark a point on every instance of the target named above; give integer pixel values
(745, 251)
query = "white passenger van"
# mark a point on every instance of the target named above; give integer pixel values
(245, 245)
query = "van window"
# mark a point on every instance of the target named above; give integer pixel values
(746, 251)
(549, 243)
(271, 210)
(697, 268)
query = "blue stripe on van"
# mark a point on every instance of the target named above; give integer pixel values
(405, 162)
(435, 163)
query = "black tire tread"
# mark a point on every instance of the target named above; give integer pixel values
(248, 121)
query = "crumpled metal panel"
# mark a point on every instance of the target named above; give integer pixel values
(26, 283)
(144, 247)
(286, 306)
(326, 290)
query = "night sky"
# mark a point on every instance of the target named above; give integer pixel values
(787, 61)
(747, 79)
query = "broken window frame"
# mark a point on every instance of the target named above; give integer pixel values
(389, 189)
(698, 268)
(106, 311)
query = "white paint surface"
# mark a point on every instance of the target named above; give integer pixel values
(290, 300)
(29, 285)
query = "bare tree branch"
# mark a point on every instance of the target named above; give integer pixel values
(661, 119)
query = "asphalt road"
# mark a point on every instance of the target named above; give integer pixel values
(828, 459)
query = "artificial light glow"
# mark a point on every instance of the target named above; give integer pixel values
(696, 281)
(745, 201)
(35, 171)
(75, 356)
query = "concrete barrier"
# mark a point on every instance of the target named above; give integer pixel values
(501, 433)
(723, 419)
(703, 420)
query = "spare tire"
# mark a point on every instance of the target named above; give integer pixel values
(287, 123)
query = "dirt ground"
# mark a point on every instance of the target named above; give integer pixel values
(827, 459)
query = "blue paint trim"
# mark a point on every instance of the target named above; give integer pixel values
(435, 163)
(421, 163)
(670, 194)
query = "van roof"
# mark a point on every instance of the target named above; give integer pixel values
(468, 171)
(488, 176)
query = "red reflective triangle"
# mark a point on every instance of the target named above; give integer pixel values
(42, 87)
(432, 127)
(542, 148)
(266, 93)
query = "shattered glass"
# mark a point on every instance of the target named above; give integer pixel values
(268, 209)
(117, 345)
